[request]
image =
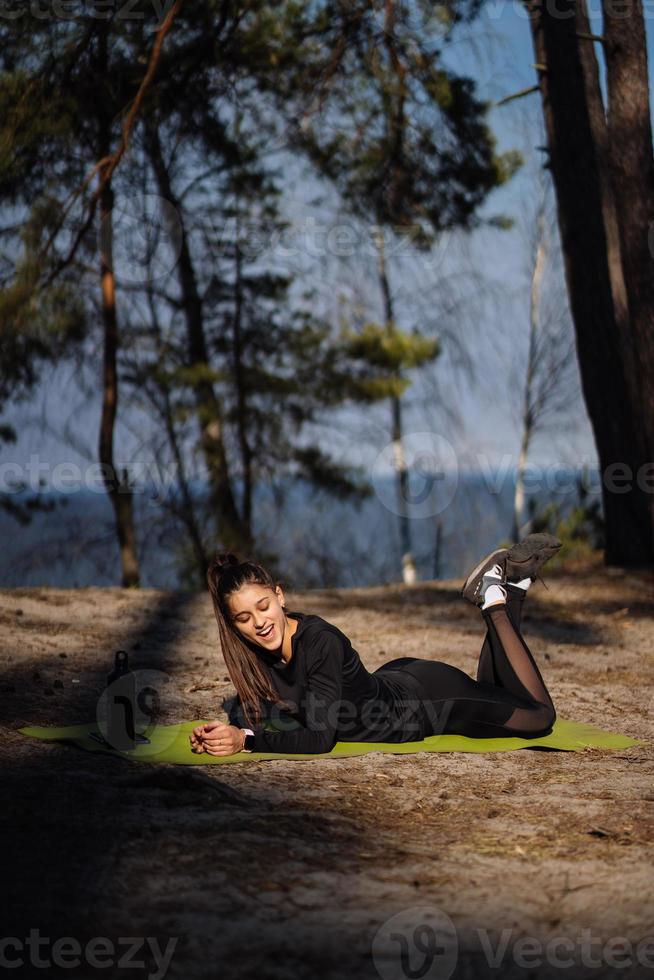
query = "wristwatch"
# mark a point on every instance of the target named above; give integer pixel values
(248, 743)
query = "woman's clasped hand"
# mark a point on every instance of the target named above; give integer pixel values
(217, 738)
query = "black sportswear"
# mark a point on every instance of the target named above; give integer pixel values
(330, 696)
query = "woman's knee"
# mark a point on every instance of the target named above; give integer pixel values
(544, 720)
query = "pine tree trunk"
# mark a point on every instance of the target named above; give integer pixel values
(241, 394)
(409, 573)
(631, 165)
(118, 488)
(528, 401)
(187, 511)
(230, 529)
(597, 288)
(519, 494)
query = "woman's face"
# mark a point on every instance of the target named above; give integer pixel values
(258, 615)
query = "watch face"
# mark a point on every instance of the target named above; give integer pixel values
(249, 742)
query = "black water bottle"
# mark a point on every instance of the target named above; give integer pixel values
(121, 705)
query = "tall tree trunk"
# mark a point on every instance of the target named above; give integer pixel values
(527, 408)
(230, 527)
(241, 391)
(588, 220)
(437, 564)
(186, 512)
(409, 573)
(631, 165)
(118, 487)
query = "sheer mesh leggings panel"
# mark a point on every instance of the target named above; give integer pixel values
(516, 670)
(509, 696)
(514, 603)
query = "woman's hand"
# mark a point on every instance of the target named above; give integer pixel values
(195, 738)
(217, 738)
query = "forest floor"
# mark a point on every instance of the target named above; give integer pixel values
(330, 868)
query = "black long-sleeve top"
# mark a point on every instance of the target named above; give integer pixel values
(332, 696)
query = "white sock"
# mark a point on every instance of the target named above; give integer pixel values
(494, 594)
(524, 584)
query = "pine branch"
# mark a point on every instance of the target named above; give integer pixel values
(107, 165)
(590, 37)
(517, 95)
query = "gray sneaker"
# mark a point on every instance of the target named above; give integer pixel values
(474, 586)
(525, 559)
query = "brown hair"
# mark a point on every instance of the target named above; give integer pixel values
(225, 575)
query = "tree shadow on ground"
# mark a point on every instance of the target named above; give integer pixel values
(98, 846)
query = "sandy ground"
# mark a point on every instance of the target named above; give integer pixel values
(329, 868)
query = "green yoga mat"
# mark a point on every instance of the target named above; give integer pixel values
(169, 743)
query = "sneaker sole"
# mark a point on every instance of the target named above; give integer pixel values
(472, 584)
(533, 545)
(529, 555)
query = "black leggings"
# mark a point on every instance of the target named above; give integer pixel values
(509, 696)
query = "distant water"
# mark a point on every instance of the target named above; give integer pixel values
(319, 541)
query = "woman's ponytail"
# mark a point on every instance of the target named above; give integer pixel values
(226, 574)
